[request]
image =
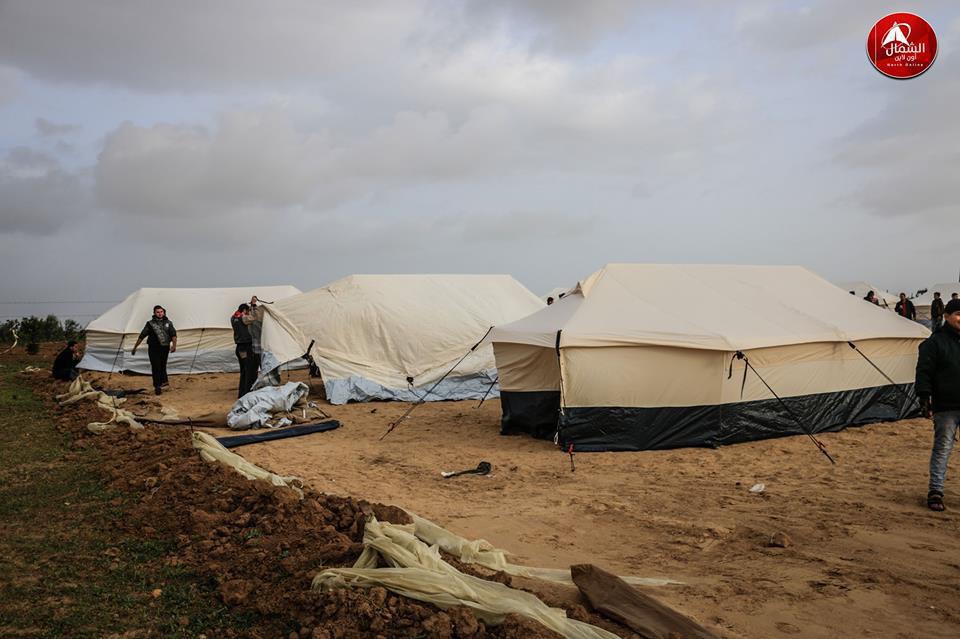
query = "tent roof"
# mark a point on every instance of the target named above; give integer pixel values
(394, 323)
(715, 307)
(945, 291)
(186, 307)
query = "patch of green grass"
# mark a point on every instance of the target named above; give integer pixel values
(66, 571)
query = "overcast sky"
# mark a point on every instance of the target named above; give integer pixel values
(241, 142)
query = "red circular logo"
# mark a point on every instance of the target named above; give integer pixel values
(902, 45)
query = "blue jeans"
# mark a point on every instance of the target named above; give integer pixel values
(945, 426)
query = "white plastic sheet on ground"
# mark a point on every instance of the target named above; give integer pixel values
(481, 552)
(80, 389)
(254, 409)
(212, 450)
(417, 571)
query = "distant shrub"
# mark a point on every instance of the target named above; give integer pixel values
(33, 330)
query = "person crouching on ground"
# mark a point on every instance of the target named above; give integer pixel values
(244, 342)
(938, 387)
(65, 366)
(161, 339)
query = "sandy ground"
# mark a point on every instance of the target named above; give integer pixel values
(863, 556)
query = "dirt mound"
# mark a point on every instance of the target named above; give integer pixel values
(260, 544)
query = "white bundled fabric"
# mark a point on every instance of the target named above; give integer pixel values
(79, 389)
(254, 409)
(417, 571)
(481, 552)
(212, 450)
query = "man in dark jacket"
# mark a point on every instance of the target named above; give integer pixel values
(65, 366)
(253, 318)
(244, 350)
(905, 308)
(161, 339)
(936, 311)
(938, 387)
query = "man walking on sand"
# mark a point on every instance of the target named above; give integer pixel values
(938, 387)
(161, 339)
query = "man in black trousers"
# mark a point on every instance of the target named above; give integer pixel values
(938, 387)
(245, 356)
(161, 339)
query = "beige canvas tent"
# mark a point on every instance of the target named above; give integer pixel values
(395, 336)
(621, 365)
(922, 302)
(887, 299)
(200, 315)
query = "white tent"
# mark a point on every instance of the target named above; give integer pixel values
(200, 315)
(395, 336)
(887, 299)
(619, 365)
(922, 302)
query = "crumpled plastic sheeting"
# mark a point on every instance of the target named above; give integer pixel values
(480, 551)
(212, 450)
(80, 389)
(417, 571)
(254, 409)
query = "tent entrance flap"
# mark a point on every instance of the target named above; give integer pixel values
(532, 413)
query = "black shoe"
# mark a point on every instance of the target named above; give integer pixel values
(157, 390)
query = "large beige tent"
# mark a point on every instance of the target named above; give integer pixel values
(200, 315)
(395, 336)
(621, 364)
(922, 302)
(887, 299)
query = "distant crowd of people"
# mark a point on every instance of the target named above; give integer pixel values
(905, 308)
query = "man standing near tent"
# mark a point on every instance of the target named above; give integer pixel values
(905, 308)
(254, 321)
(244, 350)
(161, 339)
(938, 387)
(936, 312)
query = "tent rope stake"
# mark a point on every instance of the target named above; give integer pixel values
(197, 350)
(423, 399)
(116, 357)
(489, 388)
(910, 398)
(808, 432)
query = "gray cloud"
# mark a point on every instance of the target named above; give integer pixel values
(176, 45)
(908, 153)
(37, 196)
(46, 128)
(9, 84)
(251, 160)
(565, 25)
